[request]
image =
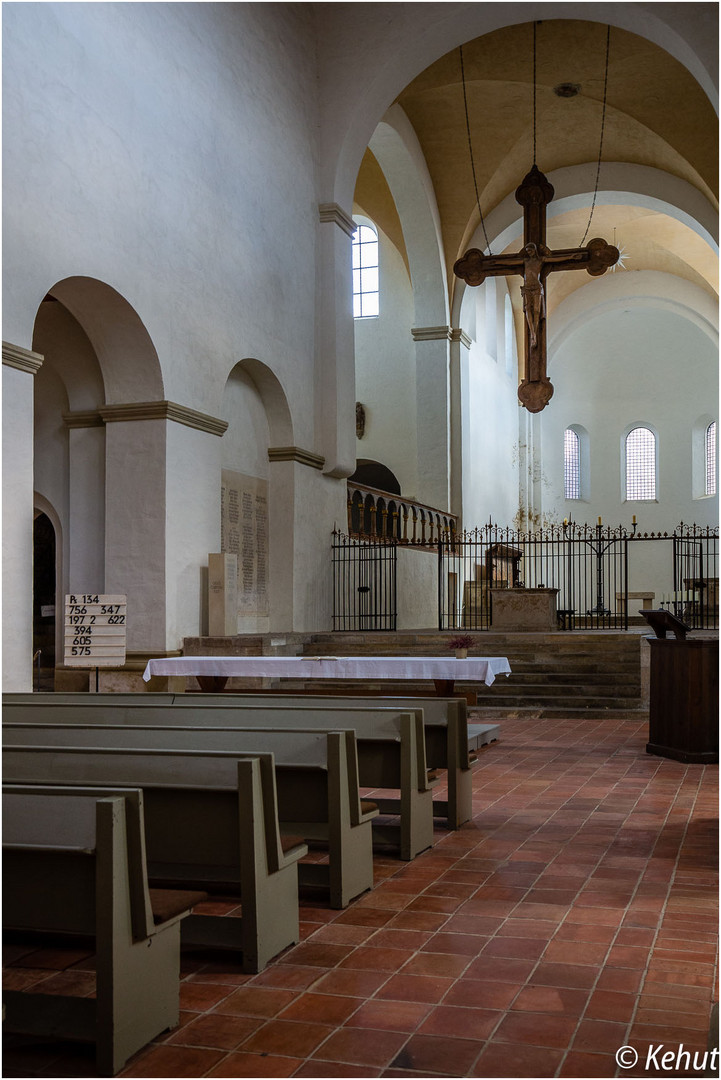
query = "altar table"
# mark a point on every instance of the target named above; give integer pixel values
(212, 672)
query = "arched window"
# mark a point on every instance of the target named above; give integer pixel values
(571, 464)
(710, 449)
(365, 273)
(640, 464)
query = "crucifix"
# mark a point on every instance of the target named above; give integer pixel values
(534, 262)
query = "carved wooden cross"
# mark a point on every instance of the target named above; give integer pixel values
(534, 262)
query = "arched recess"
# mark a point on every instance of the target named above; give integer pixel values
(641, 289)
(127, 357)
(101, 447)
(47, 597)
(258, 494)
(395, 146)
(376, 475)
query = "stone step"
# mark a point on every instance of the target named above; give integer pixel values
(508, 689)
(578, 704)
(527, 673)
(497, 695)
(554, 713)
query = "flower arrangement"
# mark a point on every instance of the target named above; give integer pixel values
(462, 641)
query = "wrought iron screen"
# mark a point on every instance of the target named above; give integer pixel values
(364, 584)
(695, 577)
(588, 566)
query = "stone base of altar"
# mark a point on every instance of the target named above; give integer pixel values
(524, 609)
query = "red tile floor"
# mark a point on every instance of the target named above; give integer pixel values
(575, 915)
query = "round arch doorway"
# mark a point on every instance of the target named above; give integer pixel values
(44, 588)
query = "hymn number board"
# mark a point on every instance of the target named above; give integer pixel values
(95, 630)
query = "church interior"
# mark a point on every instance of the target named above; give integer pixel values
(257, 407)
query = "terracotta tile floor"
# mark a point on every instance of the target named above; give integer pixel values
(576, 914)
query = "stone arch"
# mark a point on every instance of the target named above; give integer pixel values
(275, 401)
(403, 50)
(640, 289)
(127, 357)
(256, 467)
(101, 427)
(623, 184)
(395, 146)
(42, 508)
(376, 475)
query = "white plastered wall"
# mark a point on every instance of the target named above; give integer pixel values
(629, 357)
(17, 468)
(183, 148)
(490, 417)
(385, 373)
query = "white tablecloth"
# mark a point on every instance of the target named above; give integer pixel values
(472, 669)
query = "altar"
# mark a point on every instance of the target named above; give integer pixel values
(532, 610)
(212, 672)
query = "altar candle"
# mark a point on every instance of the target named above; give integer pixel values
(633, 520)
(599, 521)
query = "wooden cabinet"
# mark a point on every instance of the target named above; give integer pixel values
(684, 717)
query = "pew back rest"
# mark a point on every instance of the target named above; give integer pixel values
(50, 817)
(437, 713)
(73, 840)
(371, 725)
(325, 768)
(183, 791)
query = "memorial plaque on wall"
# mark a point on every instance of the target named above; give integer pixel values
(95, 630)
(244, 532)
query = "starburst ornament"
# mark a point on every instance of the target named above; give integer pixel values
(622, 256)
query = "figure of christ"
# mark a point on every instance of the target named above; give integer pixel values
(533, 263)
(532, 290)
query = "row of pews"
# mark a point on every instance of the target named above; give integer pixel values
(122, 811)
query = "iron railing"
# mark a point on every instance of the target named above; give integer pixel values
(364, 584)
(603, 576)
(589, 568)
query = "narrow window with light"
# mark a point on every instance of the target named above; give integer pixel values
(571, 464)
(710, 449)
(365, 273)
(640, 464)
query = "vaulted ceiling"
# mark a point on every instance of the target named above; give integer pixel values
(656, 116)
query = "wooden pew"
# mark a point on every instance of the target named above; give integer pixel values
(207, 822)
(390, 744)
(73, 862)
(451, 742)
(315, 785)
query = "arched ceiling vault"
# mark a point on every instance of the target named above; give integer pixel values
(657, 116)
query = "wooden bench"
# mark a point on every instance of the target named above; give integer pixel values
(74, 862)
(315, 784)
(209, 821)
(451, 743)
(390, 743)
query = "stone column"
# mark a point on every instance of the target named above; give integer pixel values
(305, 505)
(19, 367)
(84, 542)
(459, 410)
(335, 350)
(162, 492)
(433, 413)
